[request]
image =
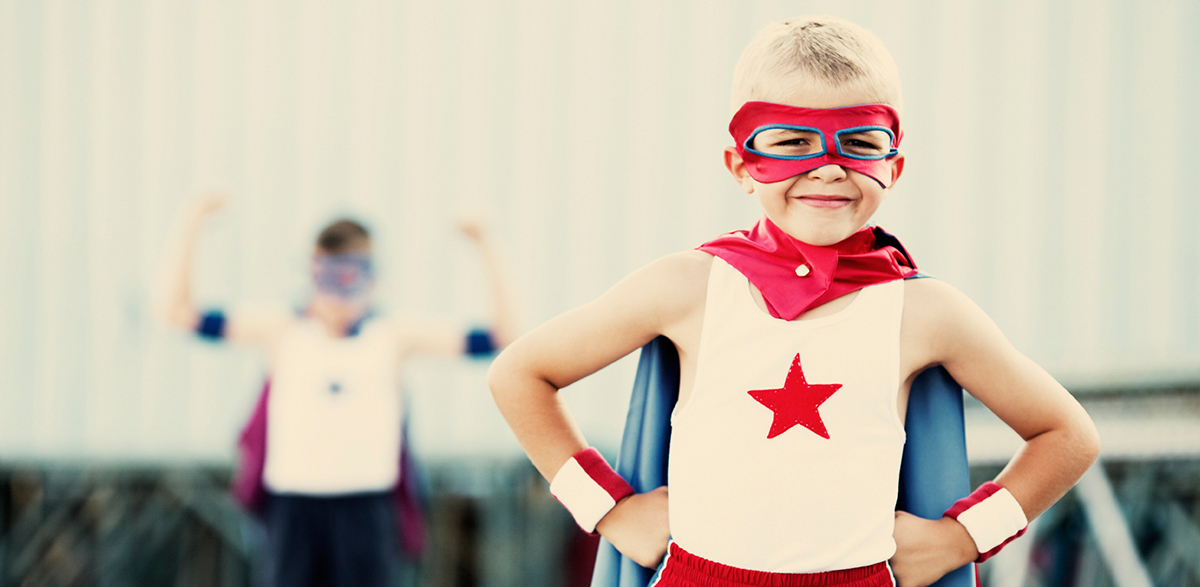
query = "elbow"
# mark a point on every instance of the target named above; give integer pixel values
(1080, 440)
(499, 377)
(503, 380)
(174, 315)
(173, 312)
(514, 382)
(1090, 441)
(180, 317)
(1083, 441)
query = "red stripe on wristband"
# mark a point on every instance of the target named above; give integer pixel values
(986, 555)
(597, 468)
(991, 516)
(588, 488)
(985, 491)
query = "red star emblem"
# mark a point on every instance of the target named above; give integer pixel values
(796, 402)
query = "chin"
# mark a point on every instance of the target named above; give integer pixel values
(822, 237)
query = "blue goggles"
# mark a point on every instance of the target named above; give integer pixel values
(346, 276)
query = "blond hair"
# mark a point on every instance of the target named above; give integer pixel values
(815, 53)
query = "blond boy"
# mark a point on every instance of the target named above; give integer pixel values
(787, 433)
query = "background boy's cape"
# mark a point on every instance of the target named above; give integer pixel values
(250, 492)
(933, 471)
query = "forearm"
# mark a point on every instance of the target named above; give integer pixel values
(175, 305)
(504, 322)
(538, 416)
(1040, 473)
(1049, 464)
(637, 525)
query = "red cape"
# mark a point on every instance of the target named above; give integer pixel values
(795, 276)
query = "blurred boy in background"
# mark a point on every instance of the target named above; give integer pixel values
(329, 424)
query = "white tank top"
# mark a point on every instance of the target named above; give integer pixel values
(333, 417)
(797, 502)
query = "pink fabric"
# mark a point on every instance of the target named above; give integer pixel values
(756, 115)
(985, 491)
(597, 468)
(684, 569)
(247, 487)
(768, 257)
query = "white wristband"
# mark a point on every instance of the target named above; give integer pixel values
(991, 516)
(588, 488)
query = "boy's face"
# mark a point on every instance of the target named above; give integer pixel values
(343, 279)
(826, 204)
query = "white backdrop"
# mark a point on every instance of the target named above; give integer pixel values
(1050, 160)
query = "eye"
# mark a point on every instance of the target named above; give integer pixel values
(788, 142)
(871, 143)
(860, 144)
(792, 142)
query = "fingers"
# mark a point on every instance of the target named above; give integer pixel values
(639, 527)
(210, 202)
(471, 225)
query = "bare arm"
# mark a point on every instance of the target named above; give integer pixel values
(661, 298)
(504, 316)
(174, 304)
(173, 296)
(445, 340)
(1060, 440)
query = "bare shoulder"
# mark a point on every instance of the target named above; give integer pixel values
(942, 326)
(259, 322)
(933, 303)
(671, 287)
(683, 270)
(940, 322)
(664, 297)
(419, 334)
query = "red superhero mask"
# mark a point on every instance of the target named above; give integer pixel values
(778, 141)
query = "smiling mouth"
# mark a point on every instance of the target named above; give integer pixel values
(825, 201)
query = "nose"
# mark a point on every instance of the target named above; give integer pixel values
(828, 173)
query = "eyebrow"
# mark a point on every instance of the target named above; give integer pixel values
(787, 131)
(874, 134)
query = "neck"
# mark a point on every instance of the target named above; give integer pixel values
(336, 317)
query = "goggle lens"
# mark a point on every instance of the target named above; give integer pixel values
(790, 142)
(345, 276)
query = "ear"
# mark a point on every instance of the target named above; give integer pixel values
(737, 167)
(897, 168)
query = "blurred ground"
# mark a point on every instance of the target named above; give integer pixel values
(490, 524)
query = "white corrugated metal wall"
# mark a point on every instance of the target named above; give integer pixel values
(1049, 177)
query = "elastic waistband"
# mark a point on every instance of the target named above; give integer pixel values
(330, 497)
(706, 573)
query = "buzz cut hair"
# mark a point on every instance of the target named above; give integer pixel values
(343, 236)
(816, 53)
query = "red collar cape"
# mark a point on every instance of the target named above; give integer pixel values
(772, 260)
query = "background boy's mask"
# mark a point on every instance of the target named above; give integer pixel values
(835, 129)
(346, 276)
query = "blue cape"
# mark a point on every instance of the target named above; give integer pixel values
(933, 470)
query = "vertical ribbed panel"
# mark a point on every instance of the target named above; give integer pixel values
(1050, 165)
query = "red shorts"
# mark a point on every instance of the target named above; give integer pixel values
(684, 569)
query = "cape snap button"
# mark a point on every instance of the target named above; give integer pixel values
(803, 271)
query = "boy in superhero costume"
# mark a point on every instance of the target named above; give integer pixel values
(324, 462)
(798, 343)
